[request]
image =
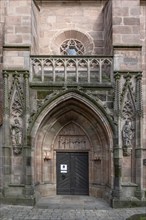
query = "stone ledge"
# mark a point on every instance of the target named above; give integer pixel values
(18, 201)
(137, 217)
(17, 47)
(16, 185)
(115, 203)
(74, 85)
(129, 184)
(127, 46)
(128, 71)
(15, 71)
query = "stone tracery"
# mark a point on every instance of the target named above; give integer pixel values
(72, 47)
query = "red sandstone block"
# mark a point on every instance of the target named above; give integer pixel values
(122, 29)
(134, 11)
(131, 39)
(125, 3)
(25, 20)
(23, 29)
(10, 20)
(136, 29)
(117, 20)
(131, 21)
(11, 38)
(23, 10)
(119, 11)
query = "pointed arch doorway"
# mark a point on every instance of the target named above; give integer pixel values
(73, 128)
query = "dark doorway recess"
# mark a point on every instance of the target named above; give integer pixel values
(72, 173)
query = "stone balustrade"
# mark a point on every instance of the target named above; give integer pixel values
(71, 69)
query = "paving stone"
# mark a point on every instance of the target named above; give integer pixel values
(103, 213)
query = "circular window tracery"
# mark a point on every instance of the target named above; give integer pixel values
(72, 47)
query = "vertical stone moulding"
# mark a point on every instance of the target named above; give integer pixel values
(139, 148)
(117, 144)
(6, 141)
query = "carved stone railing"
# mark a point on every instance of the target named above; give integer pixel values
(71, 69)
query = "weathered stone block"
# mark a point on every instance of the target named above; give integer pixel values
(135, 11)
(120, 11)
(122, 29)
(13, 39)
(22, 29)
(117, 20)
(131, 21)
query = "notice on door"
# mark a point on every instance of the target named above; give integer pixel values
(63, 168)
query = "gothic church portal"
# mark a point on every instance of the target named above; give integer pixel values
(72, 100)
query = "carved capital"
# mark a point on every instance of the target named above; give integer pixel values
(117, 76)
(5, 74)
(128, 77)
(16, 75)
(138, 76)
(26, 75)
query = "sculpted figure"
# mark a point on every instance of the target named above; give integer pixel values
(127, 134)
(16, 132)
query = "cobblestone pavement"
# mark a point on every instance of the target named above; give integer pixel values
(100, 211)
(67, 208)
(9, 212)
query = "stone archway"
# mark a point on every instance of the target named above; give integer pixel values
(92, 128)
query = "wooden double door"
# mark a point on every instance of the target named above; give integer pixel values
(72, 173)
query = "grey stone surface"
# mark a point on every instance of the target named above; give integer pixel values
(64, 208)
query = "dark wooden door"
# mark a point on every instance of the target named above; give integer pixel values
(72, 174)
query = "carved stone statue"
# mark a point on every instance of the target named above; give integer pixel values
(16, 134)
(127, 135)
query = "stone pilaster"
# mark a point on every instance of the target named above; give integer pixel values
(117, 150)
(139, 146)
(27, 147)
(6, 134)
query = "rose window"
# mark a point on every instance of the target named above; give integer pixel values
(72, 47)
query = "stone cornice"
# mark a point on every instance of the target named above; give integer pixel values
(128, 71)
(76, 86)
(128, 47)
(17, 47)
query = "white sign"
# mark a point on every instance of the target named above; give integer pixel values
(63, 168)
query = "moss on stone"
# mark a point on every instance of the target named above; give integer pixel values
(137, 217)
(42, 94)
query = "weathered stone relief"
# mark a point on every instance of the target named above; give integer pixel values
(16, 117)
(127, 136)
(72, 137)
(127, 107)
(128, 114)
(72, 142)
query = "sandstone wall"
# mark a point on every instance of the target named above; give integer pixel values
(126, 35)
(107, 17)
(58, 17)
(17, 39)
(129, 40)
(35, 28)
(2, 9)
(143, 39)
